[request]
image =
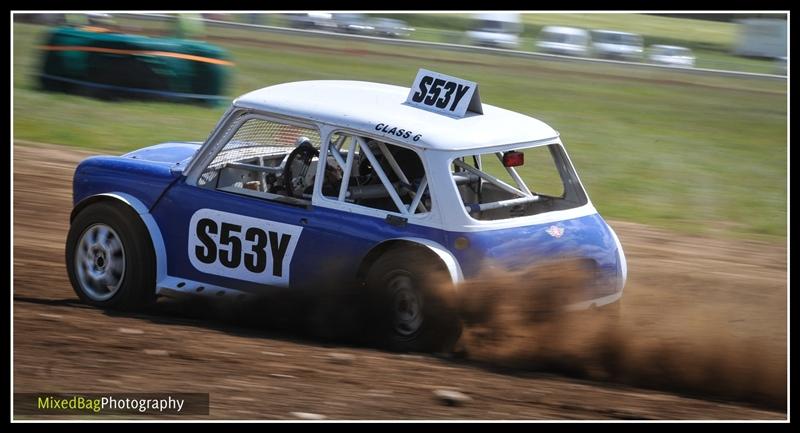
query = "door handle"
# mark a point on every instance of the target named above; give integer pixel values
(396, 221)
(304, 221)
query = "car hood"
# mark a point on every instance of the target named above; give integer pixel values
(172, 153)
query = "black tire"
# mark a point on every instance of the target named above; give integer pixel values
(136, 284)
(439, 326)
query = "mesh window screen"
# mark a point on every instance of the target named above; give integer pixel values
(256, 138)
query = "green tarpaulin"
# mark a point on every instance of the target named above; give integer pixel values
(105, 63)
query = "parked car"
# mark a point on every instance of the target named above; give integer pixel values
(671, 55)
(392, 28)
(607, 44)
(354, 23)
(568, 41)
(312, 21)
(387, 191)
(497, 30)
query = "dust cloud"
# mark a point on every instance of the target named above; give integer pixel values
(512, 319)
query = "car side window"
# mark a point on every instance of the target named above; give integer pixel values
(376, 175)
(267, 159)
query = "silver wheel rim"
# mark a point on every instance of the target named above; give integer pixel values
(406, 305)
(100, 262)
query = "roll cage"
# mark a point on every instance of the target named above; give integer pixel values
(363, 144)
(372, 149)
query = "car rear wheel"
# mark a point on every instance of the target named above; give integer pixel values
(110, 260)
(412, 308)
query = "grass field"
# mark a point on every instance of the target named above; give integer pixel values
(691, 32)
(697, 154)
(711, 41)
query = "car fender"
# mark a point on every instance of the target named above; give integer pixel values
(623, 263)
(448, 259)
(148, 220)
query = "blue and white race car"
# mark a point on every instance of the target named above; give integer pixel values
(350, 184)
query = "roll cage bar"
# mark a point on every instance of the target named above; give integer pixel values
(523, 193)
(334, 150)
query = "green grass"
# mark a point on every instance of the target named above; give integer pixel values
(711, 41)
(689, 31)
(692, 32)
(697, 154)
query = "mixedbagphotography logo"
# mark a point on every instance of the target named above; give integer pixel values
(111, 404)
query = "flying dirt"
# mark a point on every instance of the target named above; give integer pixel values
(679, 347)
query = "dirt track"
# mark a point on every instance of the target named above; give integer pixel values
(255, 373)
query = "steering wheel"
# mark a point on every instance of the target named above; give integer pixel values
(297, 165)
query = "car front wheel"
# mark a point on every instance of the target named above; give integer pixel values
(109, 257)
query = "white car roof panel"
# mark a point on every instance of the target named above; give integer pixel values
(565, 30)
(363, 105)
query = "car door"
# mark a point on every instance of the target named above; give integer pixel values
(355, 211)
(224, 230)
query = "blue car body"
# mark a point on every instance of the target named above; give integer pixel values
(326, 243)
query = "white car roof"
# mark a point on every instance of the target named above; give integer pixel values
(363, 105)
(567, 30)
(504, 17)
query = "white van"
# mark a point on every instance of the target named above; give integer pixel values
(671, 55)
(568, 41)
(497, 30)
(607, 44)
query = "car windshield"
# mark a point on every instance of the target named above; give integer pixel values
(677, 52)
(349, 18)
(517, 182)
(494, 26)
(387, 22)
(617, 38)
(562, 38)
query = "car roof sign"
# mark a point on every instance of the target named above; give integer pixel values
(444, 94)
